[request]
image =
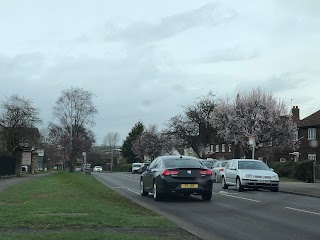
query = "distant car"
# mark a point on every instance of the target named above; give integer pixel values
(135, 167)
(170, 175)
(143, 167)
(97, 169)
(218, 169)
(77, 169)
(209, 162)
(247, 173)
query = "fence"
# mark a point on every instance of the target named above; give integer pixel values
(7, 166)
(316, 172)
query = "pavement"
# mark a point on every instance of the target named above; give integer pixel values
(299, 188)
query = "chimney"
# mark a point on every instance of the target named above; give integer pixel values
(295, 114)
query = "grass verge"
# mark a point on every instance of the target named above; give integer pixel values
(71, 201)
(286, 179)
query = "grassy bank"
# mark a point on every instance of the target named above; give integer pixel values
(63, 201)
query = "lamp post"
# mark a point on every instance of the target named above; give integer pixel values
(252, 143)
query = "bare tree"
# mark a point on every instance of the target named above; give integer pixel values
(152, 143)
(111, 140)
(257, 115)
(194, 127)
(19, 119)
(74, 111)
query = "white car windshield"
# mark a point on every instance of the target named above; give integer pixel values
(252, 165)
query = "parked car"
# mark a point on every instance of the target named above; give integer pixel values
(209, 162)
(247, 173)
(217, 169)
(135, 167)
(143, 167)
(77, 169)
(97, 169)
(170, 175)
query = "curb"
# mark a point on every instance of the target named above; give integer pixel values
(300, 194)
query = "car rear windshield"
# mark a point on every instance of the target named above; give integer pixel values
(137, 165)
(252, 165)
(182, 163)
(208, 163)
(223, 164)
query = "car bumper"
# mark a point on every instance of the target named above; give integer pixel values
(173, 186)
(259, 183)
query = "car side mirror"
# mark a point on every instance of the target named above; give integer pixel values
(271, 169)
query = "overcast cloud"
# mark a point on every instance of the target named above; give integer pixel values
(144, 60)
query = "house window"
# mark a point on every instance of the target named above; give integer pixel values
(312, 157)
(311, 133)
(217, 148)
(230, 148)
(223, 148)
(282, 159)
(190, 150)
(296, 136)
(211, 148)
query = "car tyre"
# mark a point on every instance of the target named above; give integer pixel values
(274, 189)
(156, 195)
(142, 191)
(239, 186)
(223, 183)
(206, 196)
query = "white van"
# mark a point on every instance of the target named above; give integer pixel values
(135, 167)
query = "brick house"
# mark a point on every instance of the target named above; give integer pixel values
(309, 135)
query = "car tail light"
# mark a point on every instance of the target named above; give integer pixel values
(170, 172)
(205, 172)
(221, 169)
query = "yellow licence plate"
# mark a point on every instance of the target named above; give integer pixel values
(189, 185)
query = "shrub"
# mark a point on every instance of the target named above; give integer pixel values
(303, 170)
(283, 169)
(126, 167)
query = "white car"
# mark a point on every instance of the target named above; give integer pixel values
(218, 169)
(97, 169)
(247, 173)
(135, 167)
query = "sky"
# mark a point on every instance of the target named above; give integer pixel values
(143, 60)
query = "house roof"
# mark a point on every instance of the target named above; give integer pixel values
(312, 120)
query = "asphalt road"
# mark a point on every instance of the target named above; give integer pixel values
(230, 214)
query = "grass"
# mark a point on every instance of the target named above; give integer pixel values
(78, 236)
(286, 179)
(71, 201)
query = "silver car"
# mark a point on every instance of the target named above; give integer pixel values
(218, 169)
(247, 173)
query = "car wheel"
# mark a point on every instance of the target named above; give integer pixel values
(239, 186)
(142, 191)
(206, 196)
(223, 183)
(274, 189)
(156, 195)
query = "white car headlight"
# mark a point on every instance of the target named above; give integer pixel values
(249, 176)
(275, 177)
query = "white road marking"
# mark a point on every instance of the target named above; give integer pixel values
(224, 192)
(133, 191)
(300, 210)
(248, 199)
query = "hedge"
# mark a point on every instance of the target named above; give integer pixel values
(126, 167)
(284, 169)
(302, 170)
